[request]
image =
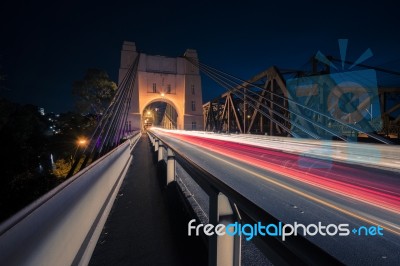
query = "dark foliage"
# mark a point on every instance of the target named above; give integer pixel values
(24, 159)
(94, 92)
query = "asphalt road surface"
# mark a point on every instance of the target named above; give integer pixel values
(308, 190)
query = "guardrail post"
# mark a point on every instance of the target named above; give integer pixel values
(160, 150)
(156, 145)
(170, 166)
(225, 249)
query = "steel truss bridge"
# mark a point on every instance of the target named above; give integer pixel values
(260, 105)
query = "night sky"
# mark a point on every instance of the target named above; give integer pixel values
(45, 47)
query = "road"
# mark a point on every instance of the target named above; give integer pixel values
(298, 188)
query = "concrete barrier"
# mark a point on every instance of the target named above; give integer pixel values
(63, 226)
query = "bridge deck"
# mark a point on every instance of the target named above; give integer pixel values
(140, 229)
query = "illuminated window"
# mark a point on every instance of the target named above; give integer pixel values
(193, 106)
(154, 87)
(193, 125)
(192, 88)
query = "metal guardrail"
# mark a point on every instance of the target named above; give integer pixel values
(63, 226)
(227, 205)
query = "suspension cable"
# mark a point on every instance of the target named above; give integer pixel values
(244, 82)
(283, 117)
(105, 130)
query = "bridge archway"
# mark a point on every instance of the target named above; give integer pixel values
(160, 113)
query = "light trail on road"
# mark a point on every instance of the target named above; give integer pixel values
(294, 187)
(367, 154)
(354, 182)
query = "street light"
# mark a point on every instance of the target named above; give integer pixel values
(81, 142)
(162, 94)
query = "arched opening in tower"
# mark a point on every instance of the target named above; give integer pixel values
(159, 114)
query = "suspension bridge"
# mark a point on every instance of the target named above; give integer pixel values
(314, 149)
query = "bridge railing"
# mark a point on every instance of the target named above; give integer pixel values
(62, 227)
(226, 205)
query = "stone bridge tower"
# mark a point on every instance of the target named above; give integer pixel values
(174, 81)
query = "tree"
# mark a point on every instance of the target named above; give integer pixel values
(24, 158)
(94, 93)
(62, 168)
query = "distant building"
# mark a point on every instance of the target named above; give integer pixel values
(52, 123)
(41, 110)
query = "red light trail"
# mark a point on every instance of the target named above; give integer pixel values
(355, 182)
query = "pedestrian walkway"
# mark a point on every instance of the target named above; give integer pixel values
(140, 229)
